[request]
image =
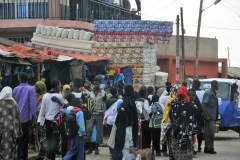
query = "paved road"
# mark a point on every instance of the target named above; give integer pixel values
(227, 144)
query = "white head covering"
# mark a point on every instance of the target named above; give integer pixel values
(6, 94)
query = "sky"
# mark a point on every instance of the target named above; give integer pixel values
(221, 21)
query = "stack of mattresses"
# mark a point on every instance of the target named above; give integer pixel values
(62, 40)
(157, 32)
(160, 79)
(140, 56)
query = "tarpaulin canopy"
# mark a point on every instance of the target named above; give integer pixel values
(37, 56)
(86, 58)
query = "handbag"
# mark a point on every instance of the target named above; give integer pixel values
(111, 140)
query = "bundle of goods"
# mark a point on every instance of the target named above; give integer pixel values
(138, 55)
(160, 78)
(62, 40)
(157, 32)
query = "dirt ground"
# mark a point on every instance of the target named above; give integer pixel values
(227, 145)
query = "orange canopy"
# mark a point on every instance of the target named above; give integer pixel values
(37, 56)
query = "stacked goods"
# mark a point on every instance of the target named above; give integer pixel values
(140, 56)
(157, 32)
(132, 43)
(160, 79)
(62, 40)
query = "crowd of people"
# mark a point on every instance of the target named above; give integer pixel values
(172, 122)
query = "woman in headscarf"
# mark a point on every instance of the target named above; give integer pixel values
(127, 124)
(65, 91)
(40, 131)
(184, 126)
(10, 126)
(166, 127)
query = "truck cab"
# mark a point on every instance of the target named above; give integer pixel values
(229, 110)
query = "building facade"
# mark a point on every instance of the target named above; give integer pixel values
(19, 18)
(208, 59)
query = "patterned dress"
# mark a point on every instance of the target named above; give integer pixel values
(184, 127)
(40, 135)
(9, 127)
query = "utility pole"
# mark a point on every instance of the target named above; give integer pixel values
(228, 58)
(195, 75)
(183, 52)
(177, 52)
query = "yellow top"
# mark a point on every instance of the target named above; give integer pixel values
(167, 108)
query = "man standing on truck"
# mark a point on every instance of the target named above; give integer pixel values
(210, 109)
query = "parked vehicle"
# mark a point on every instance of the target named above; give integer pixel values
(229, 110)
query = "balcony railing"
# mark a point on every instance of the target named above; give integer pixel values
(79, 10)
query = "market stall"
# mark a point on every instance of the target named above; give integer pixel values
(11, 67)
(49, 65)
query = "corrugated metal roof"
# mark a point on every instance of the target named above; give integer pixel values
(37, 56)
(7, 54)
(86, 58)
(15, 61)
(7, 42)
(61, 58)
(232, 71)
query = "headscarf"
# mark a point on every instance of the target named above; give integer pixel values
(6, 94)
(167, 107)
(182, 94)
(129, 91)
(127, 118)
(66, 86)
(43, 89)
(166, 122)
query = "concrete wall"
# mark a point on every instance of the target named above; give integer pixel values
(207, 67)
(208, 47)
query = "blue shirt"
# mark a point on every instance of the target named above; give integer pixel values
(119, 104)
(211, 101)
(24, 95)
(79, 119)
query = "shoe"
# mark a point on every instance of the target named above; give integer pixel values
(212, 151)
(206, 150)
(165, 154)
(89, 151)
(158, 154)
(96, 152)
(194, 152)
(200, 149)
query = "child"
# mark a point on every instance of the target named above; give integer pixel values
(155, 122)
(77, 143)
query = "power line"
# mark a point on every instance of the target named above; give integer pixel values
(191, 25)
(213, 27)
(168, 5)
(232, 5)
(231, 9)
(165, 7)
(154, 3)
(223, 36)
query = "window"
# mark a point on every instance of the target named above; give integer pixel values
(20, 39)
(223, 89)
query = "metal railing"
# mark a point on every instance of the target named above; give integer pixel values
(79, 10)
